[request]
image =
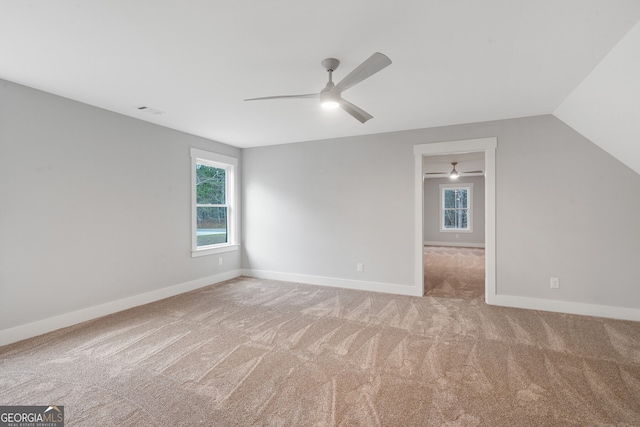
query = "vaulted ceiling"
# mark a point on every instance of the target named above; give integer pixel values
(605, 107)
(454, 62)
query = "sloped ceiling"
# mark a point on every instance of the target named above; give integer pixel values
(605, 107)
(457, 61)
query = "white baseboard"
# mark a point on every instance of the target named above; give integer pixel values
(39, 327)
(455, 244)
(499, 300)
(362, 285)
(622, 313)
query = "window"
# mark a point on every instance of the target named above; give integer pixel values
(456, 201)
(214, 213)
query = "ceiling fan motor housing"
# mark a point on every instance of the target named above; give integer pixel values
(330, 64)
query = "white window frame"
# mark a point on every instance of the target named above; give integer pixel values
(230, 165)
(462, 186)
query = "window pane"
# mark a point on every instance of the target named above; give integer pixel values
(462, 219)
(449, 198)
(456, 198)
(461, 198)
(211, 226)
(456, 219)
(210, 185)
(449, 218)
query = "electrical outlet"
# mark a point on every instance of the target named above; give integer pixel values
(555, 283)
(220, 260)
(360, 267)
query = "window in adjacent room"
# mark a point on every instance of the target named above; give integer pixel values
(214, 213)
(456, 213)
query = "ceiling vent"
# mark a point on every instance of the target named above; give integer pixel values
(150, 110)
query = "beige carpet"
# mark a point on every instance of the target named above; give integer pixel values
(454, 272)
(252, 352)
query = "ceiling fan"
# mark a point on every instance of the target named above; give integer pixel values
(331, 95)
(454, 174)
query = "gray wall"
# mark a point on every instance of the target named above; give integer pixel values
(431, 228)
(94, 207)
(318, 208)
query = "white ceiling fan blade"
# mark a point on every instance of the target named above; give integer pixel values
(472, 172)
(308, 95)
(356, 112)
(375, 63)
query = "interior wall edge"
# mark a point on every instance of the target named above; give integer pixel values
(44, 326)
(362, 285)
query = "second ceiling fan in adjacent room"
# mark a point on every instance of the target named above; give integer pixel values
(454, 174)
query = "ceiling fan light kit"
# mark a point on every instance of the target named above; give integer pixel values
(329, 104)
(331, 95)
(454, 173)
(329, 99)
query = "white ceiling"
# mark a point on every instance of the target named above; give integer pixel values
(454, 61)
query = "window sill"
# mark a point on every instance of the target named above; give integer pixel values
(215, 250)
(455, 230)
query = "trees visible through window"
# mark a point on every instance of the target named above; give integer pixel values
(456, 207)
(214, 211)
(211, 205)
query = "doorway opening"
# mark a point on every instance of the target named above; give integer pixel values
(455, 219)
(454, 225)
